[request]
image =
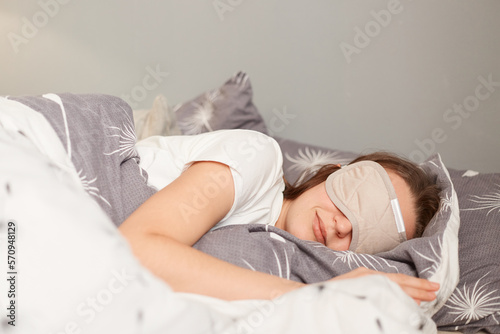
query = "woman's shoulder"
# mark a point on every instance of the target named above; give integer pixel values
(253, 146)
(248, 152)
(256, 164)
(249, 137)
(241, 138)
(243, 147)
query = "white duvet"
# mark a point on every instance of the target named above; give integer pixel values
(74, 272)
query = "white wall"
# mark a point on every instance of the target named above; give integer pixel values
(389, 91)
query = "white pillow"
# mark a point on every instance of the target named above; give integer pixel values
(160, 120)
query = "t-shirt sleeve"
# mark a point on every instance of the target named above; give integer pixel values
(258, 178)
(255, 160)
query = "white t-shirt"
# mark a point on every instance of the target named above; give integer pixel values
(255, 161)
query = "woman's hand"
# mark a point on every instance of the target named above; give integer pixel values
(417, 288)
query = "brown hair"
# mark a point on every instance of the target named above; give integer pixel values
(424, 191)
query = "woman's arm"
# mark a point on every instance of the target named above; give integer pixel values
(163, 229)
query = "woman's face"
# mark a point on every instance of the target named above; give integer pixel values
(313, 216)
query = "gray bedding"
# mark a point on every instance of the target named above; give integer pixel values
(97, 133)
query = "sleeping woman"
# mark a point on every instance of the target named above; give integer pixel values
(231, 177)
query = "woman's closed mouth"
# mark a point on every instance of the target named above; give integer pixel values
(319, 230)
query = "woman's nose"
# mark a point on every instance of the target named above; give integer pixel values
(343, 226)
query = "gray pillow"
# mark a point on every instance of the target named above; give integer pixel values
(475, 303)
(98, 133)
(301, 161)
(227, 107)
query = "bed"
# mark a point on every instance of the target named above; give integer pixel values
(71, 174)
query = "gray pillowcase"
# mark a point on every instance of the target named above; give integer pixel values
(98, 133)
(301, 161)
(227, 107)
(475, 303)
